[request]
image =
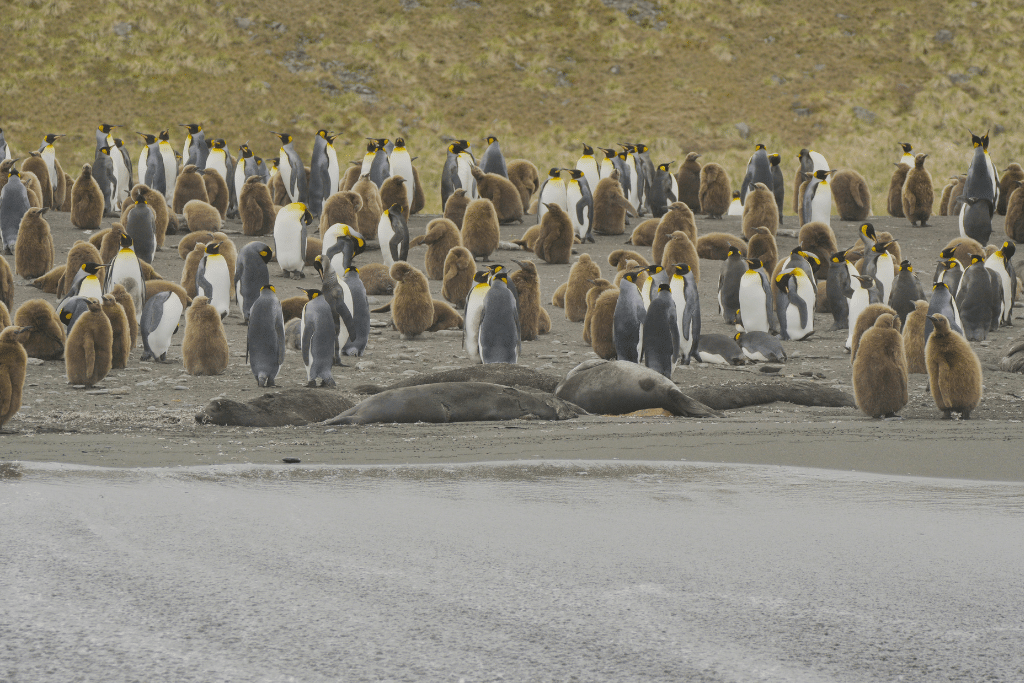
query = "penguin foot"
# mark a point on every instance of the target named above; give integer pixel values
(311, 384)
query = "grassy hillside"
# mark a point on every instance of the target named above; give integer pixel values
(678, 75)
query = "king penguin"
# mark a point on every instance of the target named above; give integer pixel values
(840, 272)
(999, 262)
(818, 199)
(778, 182)
(733, 269)
(319, 181)
(755, 299)
(401, 164)
(474, 314)
(860, 297)
(318, 340)
(794, 304)
(942, 301)
(628, 320)
(498, 335)
(49, 154)
(660, 338)
(393, 236)
(290, 234)
(170, 164)
(159, 321)
(492, 161)
(86, 282)
(251, 273)
(14, 204)
(293, 172)
(759, 170)
(580, 201)
(908, 154)
(664, 190)
(141, 227)
(195, 150)
(553, 191)
(264, 340)
(588, 165)
(683, 287)
(126, 270)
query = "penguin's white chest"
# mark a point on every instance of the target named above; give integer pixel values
(91, 287)
(858, 302)
(291, 253)
(159, 338)
(401, 165)
(589, 167)
(220, 281)
(384, 235)
(474, 315)
(753, 307)
(218, 162)
(821, 204)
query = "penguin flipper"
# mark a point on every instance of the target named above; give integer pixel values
(202, 284)
(307, 337)
(801, 307)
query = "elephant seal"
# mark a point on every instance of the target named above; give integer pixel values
(506, 374)
(618, 387)
(276, 409)
(456, 402)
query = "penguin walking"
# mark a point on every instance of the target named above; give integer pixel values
(755, 311)
(943, 303)
(141, 227)
(213, 279)
(474, 314)
(293, 172)
(628, 320)
(401, 165)
(683, 287)
(733, 268)
(580, 202)
(319, 181)
(126, 270)
(794, 304)
(818, 199)
(498, 333)
(251, 274)
(861, 294)
(759, 170)
(170, 166)
(264, 340)
(393, 236)
(553, 191)
(837, 283)
(195, 150)
(318, 340)
(999, 263)
(974, 300)
(588, 164)
(159, 321)
(290, 235)
(14, 204)
(660, 337)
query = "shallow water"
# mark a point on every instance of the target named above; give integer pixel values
(516, 572)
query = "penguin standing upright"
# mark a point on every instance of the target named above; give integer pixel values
(368, 157)
(290, 234)
(103, 174)
(151, 167)
(906, 291)
(860, 297)
(105, 139)
(918, 193)
(159, 320)
(840, 272)
(14, 204)
(878, 264)
(806, 169)
(580, 202)
(5, 150)
(683, 287)
(87, 282)
(908, 154)
(319, 181)
(125, 171)
(818, 199)
(628, 320)
(660, 337)
(794, 304)
(49, 154)
(632, 177)
(170, 166)
(126, 270)
(778, 183)
(759, 170)
(664, 190)
(464, 168)
(999, 262)
(264, 340)
(733, 268)
(944, 303)
(492, 160)
(982, 182)
(217, 159)
(318, 339)
(607, 164)
(974, 300)
(588, 165)
(359, 308)
(195, 151)
(553, 191)
(393, 236)
(755, 299)
(401, 165)
(975, 219)
(245, 167)
(474, 314)
(292, 170)
(449, 175)
(498, 333)
(251, 273)
(141, 227)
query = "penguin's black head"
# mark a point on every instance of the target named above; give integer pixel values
(284, 137)
(555, 173)
(641, 148)
(627, 147)
(782, 281)
(1008, 249)
(318, 265)
(681, 269)
(977, 258)
(587, 150)
(193, 128)
(495, 268)
(939, 284)
(975, 139)
(755, 264)
(105, 150)
(140, 200)
(399, 142)
(758, 147)
(266, 253)
(150, 139)
(213, 248)
(126, 241)
(274, 161)
(311, 293)
(307, 217)
(351, 269)
(947, 253)
(881, 247)
(804, 152)
(868, 230)
(52, 138)
(664, 167)
(106, 128)
(118, 142)
(609, 153)
(371, 147)
(13, 173)
(482, 276)
(821, 174)
(775, 159)
(500, 277)
(331, 137)
(164, 136)
(219, 143)
(575, 173)
(491, 139)
(866, 281)
(270, 287)
(631, 276)
(664, 287)
(907, 148)
(905, 265)
(733, 251)
(92, 268)
(654, 269)
(735, 194)
(322, 133)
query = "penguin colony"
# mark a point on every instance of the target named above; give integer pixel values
(651, 314)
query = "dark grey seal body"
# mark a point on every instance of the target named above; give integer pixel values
(619, 387)
(456, 402)
(290, 407)
(506, 374)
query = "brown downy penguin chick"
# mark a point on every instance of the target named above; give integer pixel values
(677, 218)
(819, 239)
(154, 287)
(715, 245)
(86, 201)
(122, 297)
(149, 273)
(190, 240)
(643, 234)
(188, 272)
(762, 247)
(944, 199)
(880, 370)
(619, 258)
(68, 184)
(597, 287)
(851, 194)
(503, 194)
(480, 231)
(688, 179)
(5, 316)
(610, 206)
(445, 317)
(555, 238)
(715, 191)
(680, 249)
(13, 363)
(80, 253)
(36, 166)
(894, 203)
(278, 193)
(341, 207)
(368, 216)
(88, 357)
(529, 239)
(913, 338)
(558, 298)
(441, 237)
(963, 247)
(630, 266)
(525, 177)
(33, 252)
(918, 193)
(46, 339)
(544, 325)
(60, 192)
(292, 307)
(110, 243)
(581, 277)
(459, 269)
(255, 207)
(393, 192)
(200, 216)
(955, 195)
(349, 180)
(189, 186)
(865, 320)
(121, 339)
(803, 190)
(455, 207)
(527, 284)
(376, 279)
(156, 201)
(954, 371)
(419, 199)
(96, 239)
(412, 308)
(1014, 224)
(7, 283)
(760, 209)
(1012, 175)
(31, 182)
(216, 191)
(204, 350)
(602, 324)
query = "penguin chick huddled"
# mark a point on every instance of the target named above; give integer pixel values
(880, 370)
(555, 239)
(760, 209)
(851, 194)
(87, 359)
(13, 363)
(204, 350)
(954, 371)
(480, 230)
(412, 308)
(715, 193)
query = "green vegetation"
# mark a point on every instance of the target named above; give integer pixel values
(541, 76)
